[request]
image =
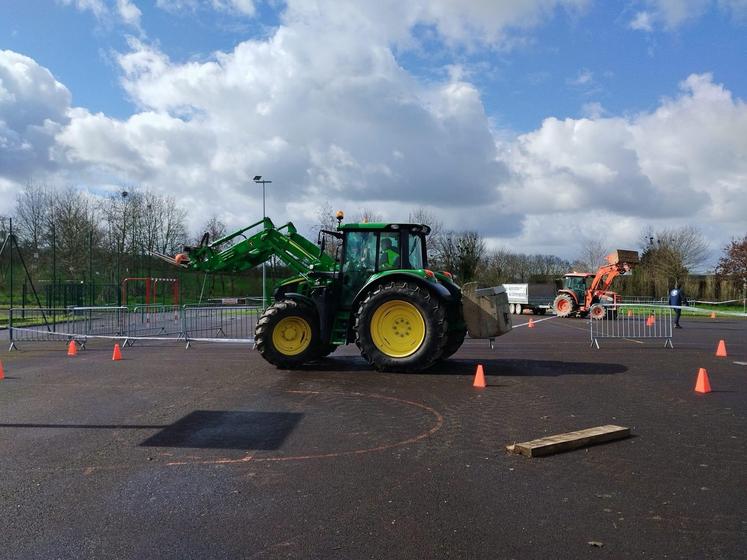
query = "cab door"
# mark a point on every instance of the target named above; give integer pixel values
(359, 252)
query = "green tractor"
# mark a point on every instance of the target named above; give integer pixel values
(376, 291)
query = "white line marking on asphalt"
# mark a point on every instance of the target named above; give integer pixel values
(566, 324)
(535, 322)
(631, 340)
(741, 363)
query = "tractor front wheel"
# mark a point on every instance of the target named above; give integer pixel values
(597, 312)
(563, 305)
(287, 334)
(401, 327)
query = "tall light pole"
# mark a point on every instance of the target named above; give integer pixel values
(258, 179)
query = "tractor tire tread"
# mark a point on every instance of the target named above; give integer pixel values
(263, 334)
(435, 340)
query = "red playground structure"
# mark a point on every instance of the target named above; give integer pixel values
(151, 289)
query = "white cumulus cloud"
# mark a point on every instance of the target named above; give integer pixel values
(33, 108)
(685, 162)
(673, 14)
(323, 108)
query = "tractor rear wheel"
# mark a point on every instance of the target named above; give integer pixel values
(455, 335)
(401, 326)
(287, 334)
(563, 305)
(454, 342)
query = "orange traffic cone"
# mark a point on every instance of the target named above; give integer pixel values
(2, 372)
(650, 321)
(703, 384)
(530, 325)
(630, 312)
(479, 378)
(721, 349)
(117, 354)
(713, 314)
(72, 349)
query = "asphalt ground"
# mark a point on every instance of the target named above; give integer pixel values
(213, 453)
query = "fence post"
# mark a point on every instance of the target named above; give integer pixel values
(10, 330)
(184, 327)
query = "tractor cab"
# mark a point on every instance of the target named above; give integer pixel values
(578, 283)
(375, 248)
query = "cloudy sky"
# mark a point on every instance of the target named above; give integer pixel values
(539, 123)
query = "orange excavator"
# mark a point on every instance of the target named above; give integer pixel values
(584, 293)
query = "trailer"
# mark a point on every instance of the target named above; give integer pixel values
(536, 297)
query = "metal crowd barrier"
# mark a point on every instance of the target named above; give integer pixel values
(155, 320)
(227, 323)
(634, 322)
(145, 322)
(75, 323)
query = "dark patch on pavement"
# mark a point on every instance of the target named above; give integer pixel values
(222, 429)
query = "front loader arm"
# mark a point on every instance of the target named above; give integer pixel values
(297, 252)
(620, 262)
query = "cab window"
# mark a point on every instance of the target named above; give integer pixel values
(415, 252)
(389, 251)
(360, 251)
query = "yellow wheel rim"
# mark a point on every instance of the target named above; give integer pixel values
(397, 328)
(291, 336)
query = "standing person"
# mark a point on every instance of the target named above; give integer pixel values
(677, 299)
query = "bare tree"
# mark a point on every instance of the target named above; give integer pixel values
(462, 253)
(33, 205)
(213, 227)
(423, 216)
(672, 254)
(326, 220)
(503, 266)
(172, 231)
(74, 219)
(592, 255)
(367, 215)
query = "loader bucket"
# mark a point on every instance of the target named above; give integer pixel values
(485, 311)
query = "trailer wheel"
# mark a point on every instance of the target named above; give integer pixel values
(401, 327)
(511, 308)
(519, 309)
(287, 334)
(563, 305)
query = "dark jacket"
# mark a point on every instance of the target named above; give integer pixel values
(677, 297)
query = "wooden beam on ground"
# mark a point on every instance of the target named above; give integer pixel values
(568, 441)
